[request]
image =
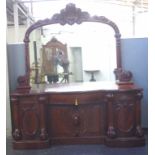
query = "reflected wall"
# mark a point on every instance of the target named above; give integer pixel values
(90, 46)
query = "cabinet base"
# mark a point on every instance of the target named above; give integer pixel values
(125, 142)
(31, 144)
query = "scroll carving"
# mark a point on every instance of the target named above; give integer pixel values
(111, 132)
(70, 15)
(123, 76)
(17, 134)
(43, 134)
(139, 131)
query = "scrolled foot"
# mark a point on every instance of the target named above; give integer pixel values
(43, 134)
(111, 132)
(17, 134)
(139, 131)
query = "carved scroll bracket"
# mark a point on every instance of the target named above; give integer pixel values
(123, 76)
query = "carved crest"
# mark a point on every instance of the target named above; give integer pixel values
(70, 15)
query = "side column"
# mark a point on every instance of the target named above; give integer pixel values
(111, 131)
(139, 132)
(43, 127)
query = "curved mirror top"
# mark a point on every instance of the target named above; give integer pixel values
(86, 48)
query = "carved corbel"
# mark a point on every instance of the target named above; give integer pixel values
(123, 76)
(23, 84)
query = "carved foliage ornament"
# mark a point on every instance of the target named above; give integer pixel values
(71, 15)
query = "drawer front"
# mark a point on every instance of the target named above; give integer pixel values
(76, 98)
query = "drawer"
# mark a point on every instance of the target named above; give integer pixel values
(28, 100)
(76, 98)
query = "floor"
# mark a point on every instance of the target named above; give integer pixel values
(78, 150)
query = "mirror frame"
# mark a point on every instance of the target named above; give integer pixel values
(71, 15)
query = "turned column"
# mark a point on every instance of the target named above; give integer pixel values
(43, 127)
(139, 131)
(111, 130)
(15, 114)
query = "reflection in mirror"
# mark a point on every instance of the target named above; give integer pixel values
(90, 49)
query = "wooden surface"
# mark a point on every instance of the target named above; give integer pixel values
(78, 113)
(82, 87)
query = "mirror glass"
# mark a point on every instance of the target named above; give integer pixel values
(91, 52)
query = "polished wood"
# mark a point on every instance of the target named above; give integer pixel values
(77, 113)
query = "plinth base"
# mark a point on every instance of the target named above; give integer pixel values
(36, 144)
(125, 142)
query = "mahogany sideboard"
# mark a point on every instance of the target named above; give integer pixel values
(82, 113)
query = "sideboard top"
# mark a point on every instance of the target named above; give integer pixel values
(81, 87)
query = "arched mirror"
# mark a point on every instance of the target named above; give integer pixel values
(92, 43)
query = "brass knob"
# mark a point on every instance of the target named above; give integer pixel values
(76, 102)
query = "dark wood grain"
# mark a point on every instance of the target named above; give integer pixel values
(96, 112)
(93, 113)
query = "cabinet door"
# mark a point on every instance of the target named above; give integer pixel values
(92, 120)
(124, 114)
(29, 118)
(61, 121)
(76, 121)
